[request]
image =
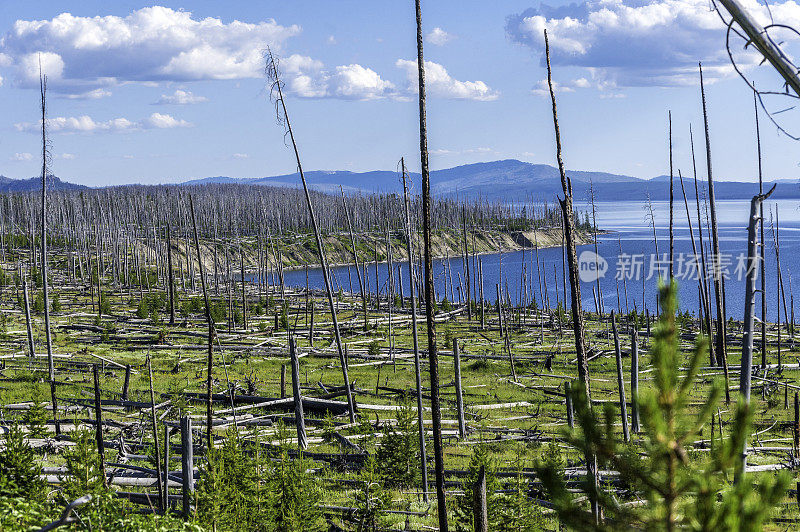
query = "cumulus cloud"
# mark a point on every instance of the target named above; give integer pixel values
(240, 156)
(439, 37)
(150, 44)
(180, 97)
(162, 121)
(30, 65)
(86, 124)
(543, 89)
(24, 156)
(640, 42)
(84, 56)
(95, 94)
(441, 84)
(608, 90)
(581, 83)
(66, 156)
(358, 83)
(308, 78)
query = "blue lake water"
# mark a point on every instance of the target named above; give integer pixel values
(631, 232)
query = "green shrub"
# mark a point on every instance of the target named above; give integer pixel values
(374, 348)
(105, 305)
(448, 338)
(219, 311)
(398, 457)
(239, 490)
(371, 500)
(25, 513)
(481, 458)
(284, 320)
(84, 470)
(143, 308)
(681, 490)
(295, 494)
(19, 470)
(38, 304)
(36, 416)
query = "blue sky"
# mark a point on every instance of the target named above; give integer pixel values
(157, 93)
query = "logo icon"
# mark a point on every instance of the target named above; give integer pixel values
(591, 266)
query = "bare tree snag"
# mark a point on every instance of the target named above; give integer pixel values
(433, 356)
(575, 287)
(715, 264)
(274, 76)
(414, 335)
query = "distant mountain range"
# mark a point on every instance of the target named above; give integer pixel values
(513, 180)
(35, 183)
(507, 180)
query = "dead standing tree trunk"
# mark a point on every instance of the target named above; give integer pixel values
(704, 273)
(355, 260)
(466, 263)
(45, 294)
(211, 332)
(417, 371)
(28, 326)
(753, 255)
(671, 205)
(763, 262)
(575, 287)
(433, 357)
(715, 259)
(170, 280)
(274, 75)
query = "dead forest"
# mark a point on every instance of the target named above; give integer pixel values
(157, 372)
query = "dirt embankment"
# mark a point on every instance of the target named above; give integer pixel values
(300, 250)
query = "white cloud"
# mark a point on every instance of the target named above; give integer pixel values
(150, 44)
(83, 56)
(28, 67)
(66, 156)
(331, 40)
(358, 83)
(308, 78)
(162, 121)
(581, 83)
(543, 89)
(95, 94)
(440, 84)
(606, 88)
(180, 97)
(5, 60)
(240, 156)
(439, 37)
(24, 156)
(304, 76)
(86, 124)
(641, 42)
